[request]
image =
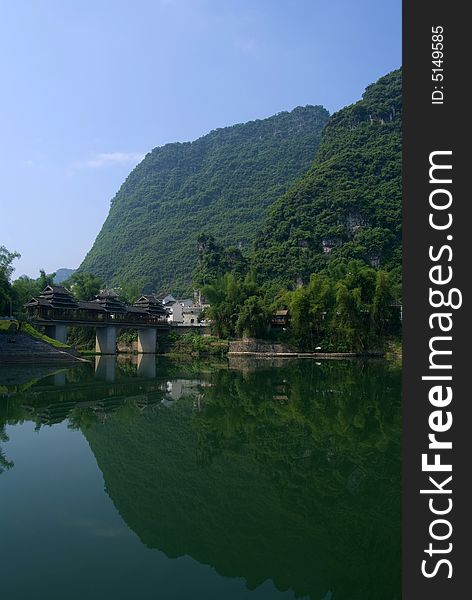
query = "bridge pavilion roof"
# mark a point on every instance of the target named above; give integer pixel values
(37, 301)
(91, 305)
(54, 296)
(108, 300)
(150, 304)
(135, 310)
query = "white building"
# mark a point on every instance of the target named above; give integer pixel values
(185, 312)
(175, 312)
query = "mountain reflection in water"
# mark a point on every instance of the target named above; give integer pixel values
(285, 472)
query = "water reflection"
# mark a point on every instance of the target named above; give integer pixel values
(146, 366)
(289, 474)
(60, 379)
(5, 464)
(105, 368)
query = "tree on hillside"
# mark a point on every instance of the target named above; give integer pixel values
(209, 262)
(24, 288)
(347, 325)
(6, 270)
(253, 318)
(45, 279)
(381, 316)
(84, 286)
(130, 291)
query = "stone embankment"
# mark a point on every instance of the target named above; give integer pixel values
(22, 348)
(251, 347)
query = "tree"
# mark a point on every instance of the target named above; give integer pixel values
(253, 318)
(84, 286)
(381, 313)
(45, 279)
(6, 270)
(299, 304)
(347, 324)
(225, 295)
(210, 264)
(131, 291)
(24, 288)
(6, 259)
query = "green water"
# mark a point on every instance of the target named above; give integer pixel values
(177, 481)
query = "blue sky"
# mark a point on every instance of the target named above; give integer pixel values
(89, 86)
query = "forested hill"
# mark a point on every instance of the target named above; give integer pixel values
(348, 205)
(223, 183)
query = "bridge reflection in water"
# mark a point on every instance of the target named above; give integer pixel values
(105, 367)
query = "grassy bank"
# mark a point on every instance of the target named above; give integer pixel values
(30, 330)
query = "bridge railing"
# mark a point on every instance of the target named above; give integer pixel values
(47, 314)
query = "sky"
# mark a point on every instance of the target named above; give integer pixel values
(88, 87)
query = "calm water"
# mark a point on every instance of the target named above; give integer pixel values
(180, 481)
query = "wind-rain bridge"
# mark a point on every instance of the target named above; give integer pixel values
(55, 309)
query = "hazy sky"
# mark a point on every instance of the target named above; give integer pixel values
(89, 86)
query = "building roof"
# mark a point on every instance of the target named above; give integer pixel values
(169, 299)
(108, 299)
(91, 305)
(57, 296)
(38, 302)
(137, 310)
(57, 289)
(107, 293)
(151, 305)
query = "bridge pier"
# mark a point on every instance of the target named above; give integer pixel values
(57, 332)
(147, 339)
(105, 340)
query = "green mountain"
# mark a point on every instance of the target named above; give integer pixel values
(63, 274)
(222, 183)
(348, 205)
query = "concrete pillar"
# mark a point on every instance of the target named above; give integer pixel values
(57, 332)
(105, 367)
(105, 341)
(147, 339)
(147, 366)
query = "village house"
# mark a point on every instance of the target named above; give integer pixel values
(173, 308)
(185, 312)
(280, 319)
(191, 312)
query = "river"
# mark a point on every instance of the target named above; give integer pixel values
(159, 479)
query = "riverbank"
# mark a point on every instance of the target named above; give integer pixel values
(211, 346)
(32, 347)
(321, 355)
(23, 348)
(265, 349)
